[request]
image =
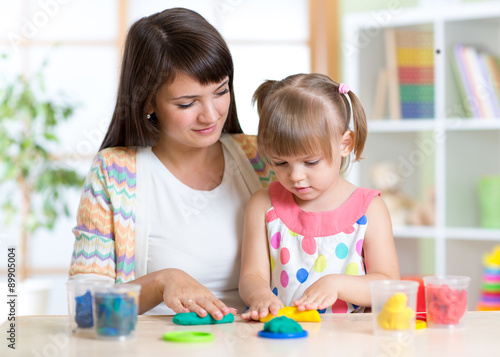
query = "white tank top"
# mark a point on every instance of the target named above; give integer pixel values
(199, 232)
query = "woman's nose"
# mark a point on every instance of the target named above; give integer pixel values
(209, 113)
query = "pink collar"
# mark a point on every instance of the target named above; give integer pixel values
(320, 224)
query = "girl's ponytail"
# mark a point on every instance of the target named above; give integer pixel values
(360, 126)
(261, 93)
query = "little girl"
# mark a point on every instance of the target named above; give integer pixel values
(313, 239)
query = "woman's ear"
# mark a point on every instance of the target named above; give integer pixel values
(347, 143)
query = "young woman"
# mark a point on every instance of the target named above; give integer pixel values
(163, 205)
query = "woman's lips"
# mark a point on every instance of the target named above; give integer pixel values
(207, 130)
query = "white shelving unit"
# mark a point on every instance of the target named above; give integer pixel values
(448, 151)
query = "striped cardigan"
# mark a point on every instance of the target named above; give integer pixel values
(105, 235)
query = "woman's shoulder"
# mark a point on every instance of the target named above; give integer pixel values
(118, 155)
(119, 152)
(247, 142)
(117, 158)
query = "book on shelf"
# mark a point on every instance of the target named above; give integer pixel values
(415, 62)
(408, 75)
(477, 75)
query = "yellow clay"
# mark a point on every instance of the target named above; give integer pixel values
(395, 315)
(293, 313)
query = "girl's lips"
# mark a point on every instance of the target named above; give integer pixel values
(207, 130)
(302, 189)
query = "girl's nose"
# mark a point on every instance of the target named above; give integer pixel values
(296, 173)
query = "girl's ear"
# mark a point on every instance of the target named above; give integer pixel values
(347, 143)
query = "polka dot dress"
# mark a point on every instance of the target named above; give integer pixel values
(305, 246)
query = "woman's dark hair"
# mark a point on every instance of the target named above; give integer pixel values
(156, 49)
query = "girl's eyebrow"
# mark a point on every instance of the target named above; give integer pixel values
(196, 96)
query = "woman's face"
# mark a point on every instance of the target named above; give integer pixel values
(192, 114)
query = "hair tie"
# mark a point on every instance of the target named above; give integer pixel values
(344, 88)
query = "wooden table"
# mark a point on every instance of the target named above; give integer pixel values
(336, 335)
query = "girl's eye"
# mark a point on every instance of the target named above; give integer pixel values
(312, 163)
(185, 106)
(280, 163)
(225, 91)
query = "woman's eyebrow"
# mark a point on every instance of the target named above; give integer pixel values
(195, 96)
(223, 84)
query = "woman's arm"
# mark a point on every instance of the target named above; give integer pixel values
(381, 263)
(94, 251)
(99, 243)
(254, 285)
(181, 293)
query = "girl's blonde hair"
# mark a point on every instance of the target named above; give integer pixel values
(303, 114)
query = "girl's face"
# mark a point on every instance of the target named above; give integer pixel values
(191, 114)
(305, 176)
(311, 177)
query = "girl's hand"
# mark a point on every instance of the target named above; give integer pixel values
(319, 295)
(262, 307)
(182, 293)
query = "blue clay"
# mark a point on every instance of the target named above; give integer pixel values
(83, 310)
(116, 314)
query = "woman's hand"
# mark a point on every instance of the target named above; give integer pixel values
(321, 294)
(182, 293)
(262, 306)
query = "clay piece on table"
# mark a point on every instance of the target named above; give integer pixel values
(190, 318)
(282, 324)
(282, 327)
(296, 315)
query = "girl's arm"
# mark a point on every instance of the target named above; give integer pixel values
(254, 285)
(381, 263)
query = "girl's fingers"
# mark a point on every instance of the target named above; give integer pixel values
(274, 309)
(255, 315)
(263, 312)
(327, 301)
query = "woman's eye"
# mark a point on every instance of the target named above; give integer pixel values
(184, 106)
(225, 91)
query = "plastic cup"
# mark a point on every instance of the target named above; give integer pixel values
(394, 304)
(115, 311)
(80, 300)
(446, 300)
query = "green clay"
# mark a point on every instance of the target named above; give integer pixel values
(282, 324)
(190, 318)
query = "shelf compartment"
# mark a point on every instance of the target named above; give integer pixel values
(470, 155)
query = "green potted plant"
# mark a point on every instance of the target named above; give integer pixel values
(32, 182)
